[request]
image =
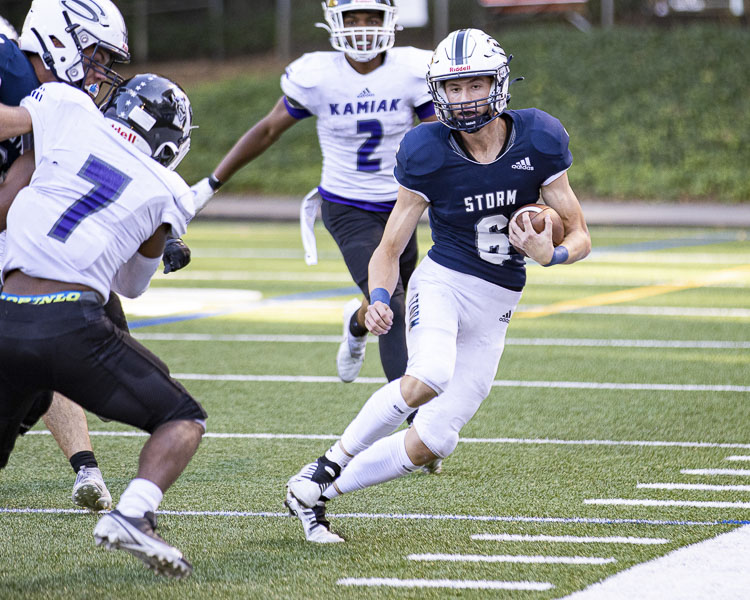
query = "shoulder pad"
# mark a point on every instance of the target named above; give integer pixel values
(422, 151)
(308, 69)
(547, 134)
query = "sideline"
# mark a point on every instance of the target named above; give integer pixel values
(715, 568)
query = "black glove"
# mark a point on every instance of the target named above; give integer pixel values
(176, 255)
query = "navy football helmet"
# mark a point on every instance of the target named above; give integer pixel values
(154, 114)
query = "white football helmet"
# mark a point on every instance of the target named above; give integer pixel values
(59, 31)
(7, 29)
(469, 53)
(362, 44)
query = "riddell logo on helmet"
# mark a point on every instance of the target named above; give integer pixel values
(128, 135)
(457, 69)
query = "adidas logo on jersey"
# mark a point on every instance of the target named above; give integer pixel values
(524, 164)
(506, 317)
(365, 93)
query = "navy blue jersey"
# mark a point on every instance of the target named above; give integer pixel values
(17, 79)
(470, 202)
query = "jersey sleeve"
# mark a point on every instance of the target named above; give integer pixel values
(180, 211)
(300, 84)
(45, 104)
(551, 140)
(417, 160)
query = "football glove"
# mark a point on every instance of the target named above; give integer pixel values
(176, 255)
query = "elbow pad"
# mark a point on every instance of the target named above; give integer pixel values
(133, 277)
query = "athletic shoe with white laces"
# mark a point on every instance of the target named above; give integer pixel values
(135, 535)
(89, 490)
(351, 352)
(312, 480)
(434, 467)
(314, 523)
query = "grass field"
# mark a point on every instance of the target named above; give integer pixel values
(624, 369)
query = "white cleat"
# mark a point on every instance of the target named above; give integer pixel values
(312, 480)
(434, 467)
(89, 490)
(314, 522)
(115, 531)
(351, 352)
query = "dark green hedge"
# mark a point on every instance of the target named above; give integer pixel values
(653, 113)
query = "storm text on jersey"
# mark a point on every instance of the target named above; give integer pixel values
(490, 200)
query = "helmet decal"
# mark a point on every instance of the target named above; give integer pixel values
(469, 53)
(154, 114)
(67, 34)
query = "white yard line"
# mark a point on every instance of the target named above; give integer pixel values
(530, 441)
(695, 486)
(399, 517)
(568, 539)
(456, 584)
(514, 558)
(738, 458)
(579, 385)
(648, 502)
(733, 472)
(336, 339)
(344, 277)
(712, 569)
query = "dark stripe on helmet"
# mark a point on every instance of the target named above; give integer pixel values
(458, 47)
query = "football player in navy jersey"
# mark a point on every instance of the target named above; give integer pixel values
(365, 96)
(473, 170)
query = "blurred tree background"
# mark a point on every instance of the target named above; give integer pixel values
(657, 107)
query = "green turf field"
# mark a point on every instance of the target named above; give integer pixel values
(608, 363)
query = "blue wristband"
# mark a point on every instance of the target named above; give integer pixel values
(380, 295)
(560, 255)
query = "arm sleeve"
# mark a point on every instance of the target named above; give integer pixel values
(133, 277)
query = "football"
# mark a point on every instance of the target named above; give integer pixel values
(537, 212)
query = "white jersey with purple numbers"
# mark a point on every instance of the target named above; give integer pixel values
(360, 118)
(93, 198)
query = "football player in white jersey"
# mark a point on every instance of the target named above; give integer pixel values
(96, 217)
(76, 43)
(366, 95)
(474, 169)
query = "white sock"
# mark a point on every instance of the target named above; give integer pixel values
(336, 454)
(386, 459)
(381, 415)
(139, 497)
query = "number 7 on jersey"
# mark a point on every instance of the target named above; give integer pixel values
(109, 184)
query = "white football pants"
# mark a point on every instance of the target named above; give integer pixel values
(456, 325)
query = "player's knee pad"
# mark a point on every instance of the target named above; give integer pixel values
(8, 435)
(438, 436)
(40, 405)
(188, 410)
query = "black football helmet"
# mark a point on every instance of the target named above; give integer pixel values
(154, 114)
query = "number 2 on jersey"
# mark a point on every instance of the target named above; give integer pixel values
(375, 129)
(109, 184)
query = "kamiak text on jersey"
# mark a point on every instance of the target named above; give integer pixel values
(371, 106)
(490, 200)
